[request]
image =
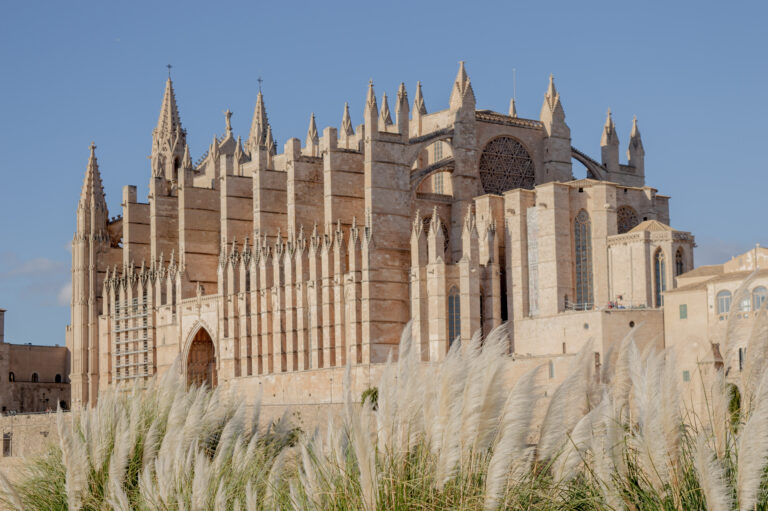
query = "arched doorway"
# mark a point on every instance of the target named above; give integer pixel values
(201, 361)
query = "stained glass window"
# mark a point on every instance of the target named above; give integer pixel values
(626, 219)
(660, 276)
(723, 302)
(582, 232)
(438, 148)
(439, 186)
(454, 314)
(506, 165)
(759, 296)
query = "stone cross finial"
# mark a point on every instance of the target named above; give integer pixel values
(260, 82)
(169, 70)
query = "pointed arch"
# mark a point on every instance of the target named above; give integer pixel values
(200, 357)
(659, 277)
(582, 236)
(679, 262)
(454, 314)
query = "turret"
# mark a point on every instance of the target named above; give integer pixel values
(168, 138)
(557, 159)
(462, 95)
(635, 151)
(609, 145)
(313, 140)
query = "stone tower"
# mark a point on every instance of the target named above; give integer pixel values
(168, 139)
(89, 245)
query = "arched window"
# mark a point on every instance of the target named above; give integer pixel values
(438, 151)
(582, 235)
(454, 314)
(679, 264)
(659, 276)
(11, 377)
(506, 165)
(723, 302)
(626, 219)
(58, 378)
(438, 184)
(759, 296)
(35, 378)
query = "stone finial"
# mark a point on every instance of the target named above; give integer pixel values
(228, 121)
(402, 97)
(635, 150)
(186, 161)
(418, 101)
(384, 116)
(271, 146)
(312, 137)
(512, 108)
(258, 134)
(346, 122)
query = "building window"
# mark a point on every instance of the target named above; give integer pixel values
(438, 151)
(626, 219)
(58, 378)
(438, 183)
(679, 264)
(683, 311)
(686, 376)
(660, 276)
(506, 165)
(723, 302)
(742, 355)
(454, 314)
(7, 447)
(35, 378)
(759, 296)
(11, 377)
(582, 230)
(551, 370)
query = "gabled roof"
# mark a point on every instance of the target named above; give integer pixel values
(651, 226)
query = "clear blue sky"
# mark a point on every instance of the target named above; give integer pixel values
(695, 74)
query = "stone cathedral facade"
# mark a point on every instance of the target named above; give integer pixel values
(255, 267)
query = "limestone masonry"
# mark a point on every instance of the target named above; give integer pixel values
(273, 270)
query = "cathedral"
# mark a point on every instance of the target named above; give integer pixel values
(261, 267)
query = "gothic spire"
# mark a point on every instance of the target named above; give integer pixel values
(346, 122)
(418, 101)
(92, 194)
(370, 102)
(385, 117)
(609, 131)
(258, 135)
(552, 97)
(636, 151)
(609, 144)
(186, 162)
(169, 121)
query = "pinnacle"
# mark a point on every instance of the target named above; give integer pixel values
(402, 96)
(462, 92)
(635, 131)
(346, 121)
(169, 121)
(512, 108)
(312, 137)
(418, 101)
(93, 189)
(371, 98)
(386, 118)
(258, 134)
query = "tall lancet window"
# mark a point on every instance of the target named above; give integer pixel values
(659, 277)
(582, 235)
(679, 264)
(454, 314)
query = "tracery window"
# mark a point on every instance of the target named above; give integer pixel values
(505, 165)
(723, 302)
(439, 185)
(626, 219)
(582, 234)
(454, 315)
(759, 296)
(438, 151)
(679, 264)
(660, 276)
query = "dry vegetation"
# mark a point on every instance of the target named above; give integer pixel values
(447, 436)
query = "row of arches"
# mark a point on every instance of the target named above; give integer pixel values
(34, 378)
(750, 301)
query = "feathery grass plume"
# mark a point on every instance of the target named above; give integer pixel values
(360, 423)
(670, 392)
(11, 496)
(755, 363)
(711, 476)
(753, 449)
(568, 405)
(648, 438)
(618, 375)
(251, 497)
(201, 482)
(513, 434)
(607, 448)
(719, 414)
(565, 466)
(74, 456)
(118, 463)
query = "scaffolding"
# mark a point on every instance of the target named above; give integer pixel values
(132, 353)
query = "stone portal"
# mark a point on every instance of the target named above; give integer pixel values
(201, 361)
